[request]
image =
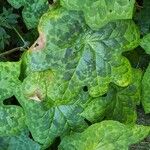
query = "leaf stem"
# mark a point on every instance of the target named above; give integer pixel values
(19, 35)
(10, 51)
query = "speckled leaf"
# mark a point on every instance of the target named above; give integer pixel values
(32, 11)
(126, 99)
(18, 142)
(99, 12)
(118, 104)
(45, 118)
(145, 90)
(145, 43)
(96, 110)
(143, 17)
(81, 57)
(9, 78)
(12, 120)
(110, 135)
(11, 117)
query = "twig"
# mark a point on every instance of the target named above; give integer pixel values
(138, 6)
(10, 51)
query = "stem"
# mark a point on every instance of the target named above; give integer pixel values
(19, 35)
(10, 51)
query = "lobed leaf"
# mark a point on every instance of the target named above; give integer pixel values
(53, 119)
(110, 135)
(32, 10)
(143, 17)
(79, 56)
(145, 90)
(12, 120)
(118, 104)
(145, 43)
(9, 78)
(18, 142)
(98, 13)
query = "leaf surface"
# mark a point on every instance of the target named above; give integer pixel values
(143, 17)
(18, 142)
(145, 43)
(98, 13)
(145, 90)
(32, 10)
(118, 104)
(79, 56)
(9, 78)
(11, 117)
(110, 135)
(54, 119)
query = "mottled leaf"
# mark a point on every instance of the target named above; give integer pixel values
(100, 12)
(9, 78)
(45, 118)
(126, 99)
(96, 110)
(11, 117)
(79, 56)
(145, 90)
(143, 17)
(12, 120)
(32, 10)
(145, 43)
(110, 135)
(18, 142)
(118, 104)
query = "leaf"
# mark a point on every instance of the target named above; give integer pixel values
(53, 119)
(143, 17)
(97, 109)
(110, 135)
(32, 10)
(79, 56)
(126, 100)
(18, 142)
(9, 78)
(103, 11)
(145, 43)
(8, 18)
(11, 117)
(12, 120)
(145, 91)
(118, 104)
(4, 38)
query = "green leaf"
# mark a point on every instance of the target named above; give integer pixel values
(11, 117)
(110, 135)
(53, 118)
(118, 104)
(79, 56)
(9, 79)
(8, 18)
(97, 109)
(145, 43)
(145, 90)
(143, 17)
(126, 99)
(4, 38)
(12, 120)
(98, 13)
(32, 10)
(18, 142)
